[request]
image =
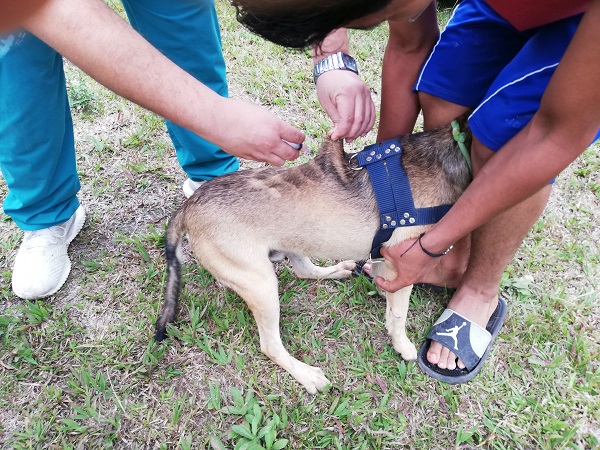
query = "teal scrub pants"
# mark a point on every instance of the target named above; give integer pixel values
(37, 149)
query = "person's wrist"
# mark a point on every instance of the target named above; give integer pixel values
(336, 61)
(432, 251)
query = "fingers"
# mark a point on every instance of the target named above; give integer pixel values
(278, 146)
(355, 118)
(385, 252)
(271, 150)
(347, 101)
(281, 153)
(391, 285)
(388, 285)
(292, 134)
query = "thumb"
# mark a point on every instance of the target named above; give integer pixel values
(385, 252)
(388, 285)
(342, 121)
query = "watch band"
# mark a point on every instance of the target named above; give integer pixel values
(337, 61)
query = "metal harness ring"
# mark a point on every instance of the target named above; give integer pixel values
(350, 164)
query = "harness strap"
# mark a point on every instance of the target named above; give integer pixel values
(392, 190)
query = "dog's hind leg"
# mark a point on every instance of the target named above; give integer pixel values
(304, 268)
(256, 282)
(396, 311)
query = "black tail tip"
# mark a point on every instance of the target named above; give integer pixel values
(160, 334)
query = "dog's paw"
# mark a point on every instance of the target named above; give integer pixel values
(342, 270)
(407, 349)
(312, 378)
(349, 265)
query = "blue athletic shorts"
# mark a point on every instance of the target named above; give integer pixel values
(481, 61)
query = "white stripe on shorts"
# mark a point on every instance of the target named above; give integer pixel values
(551, 66)
(432, 51)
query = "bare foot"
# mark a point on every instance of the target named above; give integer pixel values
(477, 309)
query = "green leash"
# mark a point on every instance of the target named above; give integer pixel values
(460, 140)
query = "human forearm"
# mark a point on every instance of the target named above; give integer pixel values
(95, 39)
(508, 178)
(408, 46)
(336, 41)
(342, 93)
(14, 13)
(116, 56)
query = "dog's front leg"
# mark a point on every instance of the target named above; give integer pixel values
(259, 290)
(395, 318)
(396, 311)
(304, 268)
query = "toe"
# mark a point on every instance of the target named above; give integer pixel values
(433, 355)
(367, 268)
(443, 361)
(451, 361)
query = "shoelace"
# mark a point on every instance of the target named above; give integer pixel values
(45, 237)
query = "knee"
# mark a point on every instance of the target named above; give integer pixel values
(438, 112)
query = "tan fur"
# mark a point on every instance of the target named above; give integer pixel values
(322, 209)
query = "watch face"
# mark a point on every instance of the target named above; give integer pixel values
(350, 63)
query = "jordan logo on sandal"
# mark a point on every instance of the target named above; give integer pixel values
(453, 333)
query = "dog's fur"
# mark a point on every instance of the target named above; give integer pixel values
(237, 223)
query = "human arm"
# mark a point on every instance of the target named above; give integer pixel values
(408, 46)
(344, 96)
(13, 13)
(95, 39)
(563, 127)
(347, 100)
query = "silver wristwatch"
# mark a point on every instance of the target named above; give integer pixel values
(337, 61)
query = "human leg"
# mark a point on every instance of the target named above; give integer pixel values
(509, 104)
(492, 248)
(37, 158)
(37, 150)
(188, 34)
(446, 94)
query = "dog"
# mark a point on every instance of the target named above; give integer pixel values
(237, 224)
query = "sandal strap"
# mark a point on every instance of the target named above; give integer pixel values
(467, 340)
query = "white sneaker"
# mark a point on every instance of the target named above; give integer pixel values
(42, 265)
(190, 186)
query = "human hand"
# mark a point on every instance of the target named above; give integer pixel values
(252, 132)
(347, 101)
(411, 264)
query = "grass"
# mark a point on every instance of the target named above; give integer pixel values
(80, 369)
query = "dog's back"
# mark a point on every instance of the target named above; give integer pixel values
(284, 209)
(436, 168)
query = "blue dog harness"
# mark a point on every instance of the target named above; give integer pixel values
(394, 197)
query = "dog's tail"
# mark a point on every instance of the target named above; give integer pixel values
(173, 254)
